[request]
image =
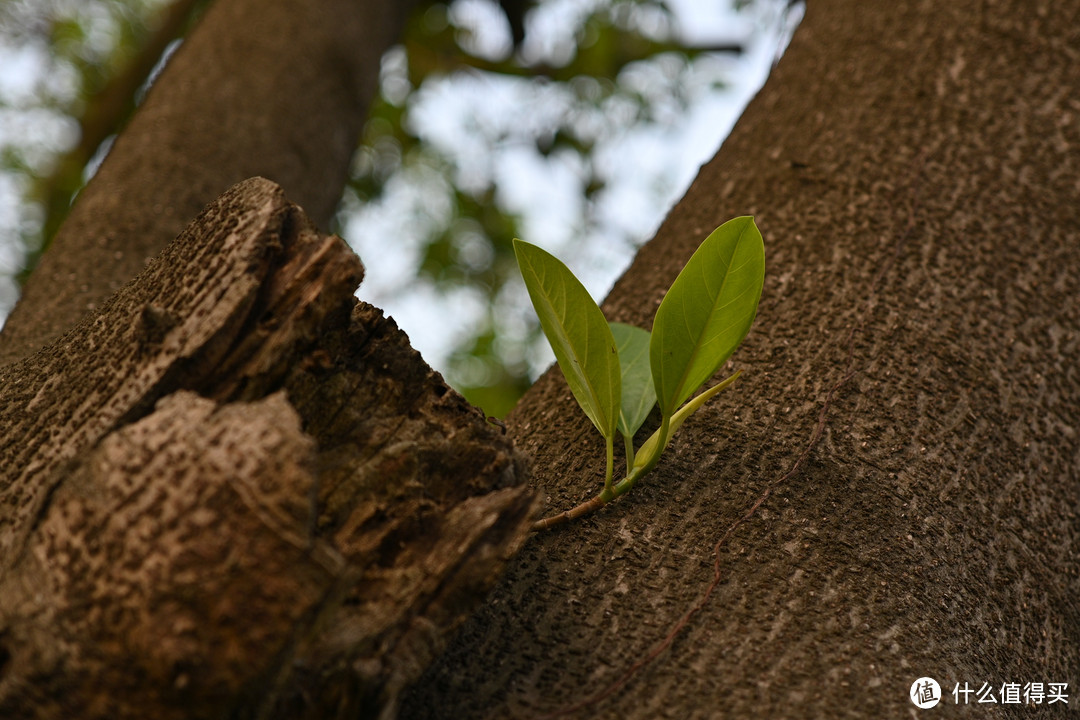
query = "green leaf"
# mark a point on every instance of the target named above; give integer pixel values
(638, 395)
(707, 312)
(578, 333)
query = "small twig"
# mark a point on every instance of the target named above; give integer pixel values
(649, 454)
(583, 509)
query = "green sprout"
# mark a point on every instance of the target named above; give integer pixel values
(618, 372)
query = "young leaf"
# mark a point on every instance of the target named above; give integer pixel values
(638, 395)
(707, 312)
(578, 333)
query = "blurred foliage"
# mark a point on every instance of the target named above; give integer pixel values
(617, 65)
(75, 70)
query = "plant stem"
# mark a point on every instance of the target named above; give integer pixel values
(628, 442)
(649, 454)
(610, 465)
(611, 491)
(583, 509)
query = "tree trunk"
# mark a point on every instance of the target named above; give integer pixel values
(231, 490)
(914, 169)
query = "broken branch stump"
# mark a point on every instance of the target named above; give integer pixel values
(237, 491)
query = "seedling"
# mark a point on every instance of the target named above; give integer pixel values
(618, 372)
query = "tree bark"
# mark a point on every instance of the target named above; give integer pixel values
(235, 491)
(914, 170)
(271, 89)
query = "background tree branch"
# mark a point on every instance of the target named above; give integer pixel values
(106, 112)
(203, 127)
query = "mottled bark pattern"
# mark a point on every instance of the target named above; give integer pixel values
(235, 490)
(173, 570)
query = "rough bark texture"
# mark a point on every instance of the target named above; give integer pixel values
(914, 168)
(237, 491)
(294, 117)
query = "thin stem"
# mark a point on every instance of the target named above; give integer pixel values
(628, 442)
(610, 465)
(583, 509)
(665, 435)
(611, 491)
